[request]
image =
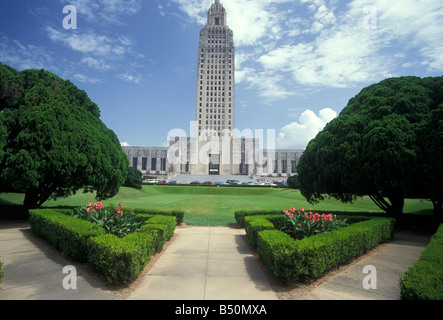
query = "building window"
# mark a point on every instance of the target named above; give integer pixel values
(163, 164)
(154, 164)
(293, 167)
(144, 163)
(284, 166)
(134, 162)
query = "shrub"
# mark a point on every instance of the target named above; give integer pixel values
(164, 225)
(179, 215)
(114, 221)
(121, 259)
(424, 280)
(303, 260)
(241, 214)
(303, 223)
(65, 232)
(118, 259)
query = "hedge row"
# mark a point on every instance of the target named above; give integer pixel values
(240, 215)
(424, 280)
(179, 215)
(118, 259)
(67, 233)
(307, 259)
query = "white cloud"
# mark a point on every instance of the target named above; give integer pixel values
(106, 11)
(125, 144)
(97, 64)
(25, 56)
(90, 43)
(297, 135)
(127, 77)
(324, 43)
(86, 79)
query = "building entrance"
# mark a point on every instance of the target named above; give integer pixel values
(214, 164)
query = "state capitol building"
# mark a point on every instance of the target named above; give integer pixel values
(215, 147)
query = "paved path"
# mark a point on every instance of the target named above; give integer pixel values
(390, 262)
(201, 263)
(206, 263)
(33, 269)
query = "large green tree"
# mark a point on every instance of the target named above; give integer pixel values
(55, 142)
(383, 144)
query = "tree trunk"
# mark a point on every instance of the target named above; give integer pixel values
(397, 200)
(35, 197)
(438, 208)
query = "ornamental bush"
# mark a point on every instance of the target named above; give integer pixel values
(303, 260)
(114, 221)
(424, 280)
(303, 223)
(65, 232)
(119, 259)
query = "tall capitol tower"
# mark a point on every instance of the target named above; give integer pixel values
(215, 147)
(215, 110)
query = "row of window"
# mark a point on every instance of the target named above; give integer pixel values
(153, 164)
(284, 166)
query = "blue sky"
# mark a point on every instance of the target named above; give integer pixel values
(298, 62)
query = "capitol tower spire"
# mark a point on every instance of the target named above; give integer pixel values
(215, 77)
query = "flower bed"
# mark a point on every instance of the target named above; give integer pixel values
(119, 259)
(304, 260)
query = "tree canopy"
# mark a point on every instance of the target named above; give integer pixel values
(386, 143)
(52, 141)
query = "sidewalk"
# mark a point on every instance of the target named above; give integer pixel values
(206, 263)
(33, 269)
(390, 261)
(201, 263)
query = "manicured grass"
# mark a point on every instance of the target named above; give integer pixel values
(206, 205)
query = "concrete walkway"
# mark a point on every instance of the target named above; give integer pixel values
(206, 263)
(201, 263)
(385, 266)
(33, 269)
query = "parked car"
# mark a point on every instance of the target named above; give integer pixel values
(221, 183)
(195, 182)
(209, 182)
(151, 181)
(233, 182)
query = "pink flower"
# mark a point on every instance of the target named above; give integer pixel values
(120, 204)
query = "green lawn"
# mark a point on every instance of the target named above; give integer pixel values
(216, 205)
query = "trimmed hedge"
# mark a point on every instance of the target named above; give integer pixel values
(121, 259)
(424, 280)
(240, 215)
(307, 259)
(179, 215)
(118, 259)
(164, 225)
(67, 233)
